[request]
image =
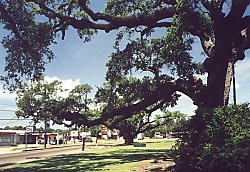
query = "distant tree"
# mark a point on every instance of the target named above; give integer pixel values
(95, 130)
(38, 100)
(42, 101)
(179, 120)
(18, 128)
(59, 131)
(175, 123)
(40, 129)
(139, 123)
(76, 104)
(7, 128)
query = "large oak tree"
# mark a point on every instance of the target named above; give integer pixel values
(222, 27)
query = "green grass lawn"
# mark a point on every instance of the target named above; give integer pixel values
(112, 159)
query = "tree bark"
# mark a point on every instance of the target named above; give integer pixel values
(218, 66)
(217, 86)
(129, 138)
(228, 82)
(127, 133)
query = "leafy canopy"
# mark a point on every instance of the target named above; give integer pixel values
(150, 71)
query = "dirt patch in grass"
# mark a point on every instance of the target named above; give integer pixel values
(159, 164)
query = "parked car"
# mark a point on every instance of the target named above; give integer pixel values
(53, 142)
(88, 140)
(40, 141)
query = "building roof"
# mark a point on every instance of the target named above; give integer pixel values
(13, 131)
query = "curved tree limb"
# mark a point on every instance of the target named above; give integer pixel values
(110, 22)
(189, 87)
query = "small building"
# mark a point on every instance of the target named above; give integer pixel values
(158, 135)
(140, 136)
(12, 137)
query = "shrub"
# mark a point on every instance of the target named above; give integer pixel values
(218, 140)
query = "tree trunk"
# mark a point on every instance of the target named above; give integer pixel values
(228, 82)
(219, 71)
(128, 134)
(129, 138)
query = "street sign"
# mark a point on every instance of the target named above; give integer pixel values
(48, 125)
(84, 134)
(74, 133)
(29, 129)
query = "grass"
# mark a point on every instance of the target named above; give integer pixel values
(112, 159)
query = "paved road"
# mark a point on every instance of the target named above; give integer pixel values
(32, 155)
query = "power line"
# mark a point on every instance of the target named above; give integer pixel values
(13, 119)
(2, 104)
(4, 124)
(7, 110)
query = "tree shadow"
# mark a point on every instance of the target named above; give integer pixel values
(90, 161)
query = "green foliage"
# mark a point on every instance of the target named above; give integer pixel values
(126, 7)
(38, 100)
(122, 91)
(78, 100)
(42, 101)
(172, 122)
(13, 128)
(94, 130)
(217, 141)
(27, 45)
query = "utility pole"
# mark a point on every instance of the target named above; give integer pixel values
(45, 135)
(26, 133)
(234, 87)
(84, 127)
(26, 139)
(83, 138)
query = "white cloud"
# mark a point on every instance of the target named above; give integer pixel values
(242, 81)
(202, 77)
(185, 105)
(67, 84)
(8, 98)
(5, 95)
(242, 71)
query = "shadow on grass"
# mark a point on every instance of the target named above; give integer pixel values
(90, 161)
(6, 164)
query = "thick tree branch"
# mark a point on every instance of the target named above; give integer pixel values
(219, 3)
(150, 27)
(245, 33)
(169, 2)
(237, 9)
(214, 10)
(11, 23)
(7, 18)
(126, 21)
(205, 33)
(112, 22)
(148, 111)
(154, 123)
(154, 108)
(190, 87)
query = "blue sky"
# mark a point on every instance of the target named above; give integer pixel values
(79, 63)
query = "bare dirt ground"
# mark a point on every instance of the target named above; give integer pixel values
(157, 165)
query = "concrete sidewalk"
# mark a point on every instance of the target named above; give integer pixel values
(30, 147)
(22, 147)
